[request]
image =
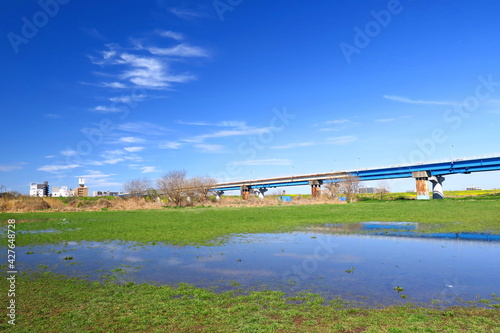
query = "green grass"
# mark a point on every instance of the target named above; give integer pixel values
(50, 303)
(59, 304)
(203, 226)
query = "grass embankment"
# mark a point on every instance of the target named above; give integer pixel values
(202, 226)
(48, 303)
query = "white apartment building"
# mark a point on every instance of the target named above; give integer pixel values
(39, 190)
(62, 191)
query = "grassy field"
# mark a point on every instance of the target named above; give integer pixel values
(59, 304)
(203, 226)
(50, 303)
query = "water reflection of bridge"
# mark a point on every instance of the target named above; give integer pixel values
(401, 229)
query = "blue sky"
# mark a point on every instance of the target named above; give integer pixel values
(117, 90)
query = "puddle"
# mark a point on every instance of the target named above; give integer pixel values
(369, 265)
(401, 229)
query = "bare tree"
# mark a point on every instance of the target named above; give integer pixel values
(333, 190)
(199, 187)
(175, 186)
(350, 187)
(382, 188)
(137, 187)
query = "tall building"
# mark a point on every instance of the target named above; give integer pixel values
(81, 190)
(39, 190)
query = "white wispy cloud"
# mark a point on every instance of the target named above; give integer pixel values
(338, 122)
(149, 169)
(11, 167)
(69, 152)
(170, 34)
(149, 71)
(106, 109)
(115, 160)
(209, 148)
(128, 99)
(342, 140)
(133, 149)
(102, 183)
(96, 179)
(181, 50)
(52, 116)
(133, 158)
(131, 139)
(226, 123)
(229, 133)
(142, 127)
(403, 99)
(118, 85)
(271, 161)
(186, 14)
(170, 145)
(387, 120)
(112, 153)
(335, 125)
(93, 174)
(57, 168)
(294, 145)
(50, 156)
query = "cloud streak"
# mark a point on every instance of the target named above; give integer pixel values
(407, 100)
(270, 161)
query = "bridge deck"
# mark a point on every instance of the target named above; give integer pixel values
(435, 169)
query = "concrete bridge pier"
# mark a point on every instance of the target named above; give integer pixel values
(315, 187)
(245, 192)
(437, 187)
(260, 192)
(421, 178)
(218, 194)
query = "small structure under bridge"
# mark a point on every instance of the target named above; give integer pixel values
(423, 173)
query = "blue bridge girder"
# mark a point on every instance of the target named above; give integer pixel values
(458, 166)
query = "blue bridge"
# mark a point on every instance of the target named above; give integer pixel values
(423, 173)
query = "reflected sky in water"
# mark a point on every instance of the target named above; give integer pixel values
(362, 267)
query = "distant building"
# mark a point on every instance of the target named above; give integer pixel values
(39, 190)
(367, 190)
(472, 188)
(62, 191)
(81, 190)
(107, 193)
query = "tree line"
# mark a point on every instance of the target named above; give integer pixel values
(174, 185)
